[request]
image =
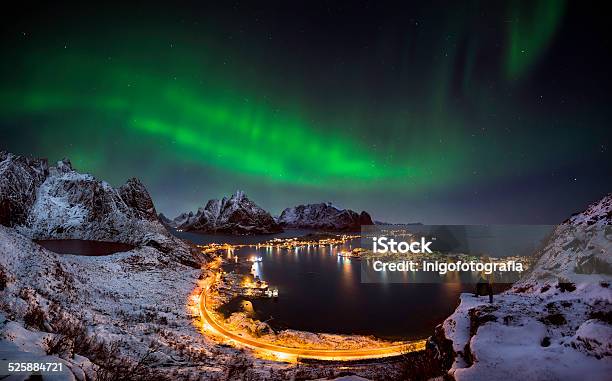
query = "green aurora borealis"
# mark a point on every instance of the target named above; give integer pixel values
(228, 133)
(200, 103)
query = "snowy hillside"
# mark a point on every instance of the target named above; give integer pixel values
(130, 303)
(553, 324)
(323, 216)
(234, 215)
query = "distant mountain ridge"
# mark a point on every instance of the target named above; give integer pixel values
(57, 202)
(234, 215)
(239, 215)
(325, 216)
(163, 219)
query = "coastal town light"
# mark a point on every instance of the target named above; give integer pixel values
(212, 324)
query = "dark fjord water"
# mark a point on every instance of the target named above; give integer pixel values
(83, 247)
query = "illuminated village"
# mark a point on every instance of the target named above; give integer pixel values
(238, 275)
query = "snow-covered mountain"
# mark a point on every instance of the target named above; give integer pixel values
(557, 320)
(234, 215)
(58, 202)
(70, 204)
(323, 216)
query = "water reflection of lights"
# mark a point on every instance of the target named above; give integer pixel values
(451, 283)
(451, 288)
(347, 275)
(256, 269)
(383, 274)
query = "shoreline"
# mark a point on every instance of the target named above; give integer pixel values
(293, 350)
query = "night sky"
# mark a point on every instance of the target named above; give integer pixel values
(438, 112)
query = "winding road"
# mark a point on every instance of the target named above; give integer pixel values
(289, 353)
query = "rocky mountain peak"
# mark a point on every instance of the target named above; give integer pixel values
(236, 215)
(163, 219)
(135, 195)
(64, 166)
(324, 216)
(330, 204)
(57, 202)
(238, 196)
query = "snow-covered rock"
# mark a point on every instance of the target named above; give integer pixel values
(234, 215)
(555, 323)
(79, 206)
(323, 216)
(20, 178)
(136, 197)
(137, 299)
